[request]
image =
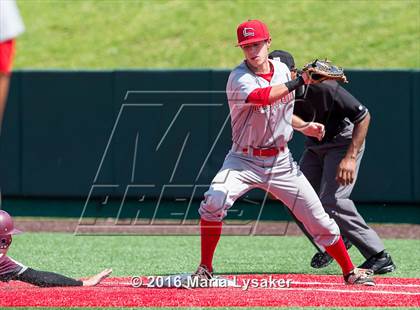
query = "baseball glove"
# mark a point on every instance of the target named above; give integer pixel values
(321, 70)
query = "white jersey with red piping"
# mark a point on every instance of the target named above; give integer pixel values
(259, 126)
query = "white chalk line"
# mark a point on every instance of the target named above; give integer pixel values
(330, 290)
(320, 289)
(344, 291)
(335, 283)
(329, 283)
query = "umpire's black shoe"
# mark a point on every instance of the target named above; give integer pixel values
(380, 265)
(322, 260)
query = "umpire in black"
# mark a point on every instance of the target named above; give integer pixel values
(336, 126)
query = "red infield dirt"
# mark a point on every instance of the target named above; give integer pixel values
(304, 290)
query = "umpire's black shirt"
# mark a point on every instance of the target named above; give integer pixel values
(331, 105)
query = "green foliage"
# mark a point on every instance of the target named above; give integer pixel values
(196, 33)
(79, 256)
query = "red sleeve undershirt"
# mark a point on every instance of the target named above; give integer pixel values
(259, 96)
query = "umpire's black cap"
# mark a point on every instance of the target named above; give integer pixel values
(285, 57)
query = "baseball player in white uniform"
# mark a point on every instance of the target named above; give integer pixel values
(260, 94)
(11, 26)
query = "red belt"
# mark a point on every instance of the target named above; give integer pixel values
(264, 152)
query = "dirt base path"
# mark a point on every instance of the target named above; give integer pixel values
(388, 231)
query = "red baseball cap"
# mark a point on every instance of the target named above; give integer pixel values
(252, 31)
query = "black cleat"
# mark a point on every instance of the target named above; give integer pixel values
(380, 265)
(322, 260)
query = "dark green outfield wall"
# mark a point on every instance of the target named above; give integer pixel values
(66, 131)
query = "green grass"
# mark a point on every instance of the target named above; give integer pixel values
(79, 256)
(201, 34)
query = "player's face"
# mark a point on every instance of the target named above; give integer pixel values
(256, 54)
(5, 242)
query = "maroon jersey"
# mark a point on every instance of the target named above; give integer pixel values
(10, 268)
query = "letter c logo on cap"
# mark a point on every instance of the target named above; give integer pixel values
(248, 32)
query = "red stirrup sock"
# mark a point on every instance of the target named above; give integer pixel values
(339, 252)
(210, 235)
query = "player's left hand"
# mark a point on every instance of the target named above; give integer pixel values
(313, 129)
(346, 171)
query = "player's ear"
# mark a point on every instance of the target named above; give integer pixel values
(268, 43)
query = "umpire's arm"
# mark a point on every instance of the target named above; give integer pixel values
(359, 115)
(359, 135)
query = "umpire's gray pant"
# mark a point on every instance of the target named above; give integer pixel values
(319, 164)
